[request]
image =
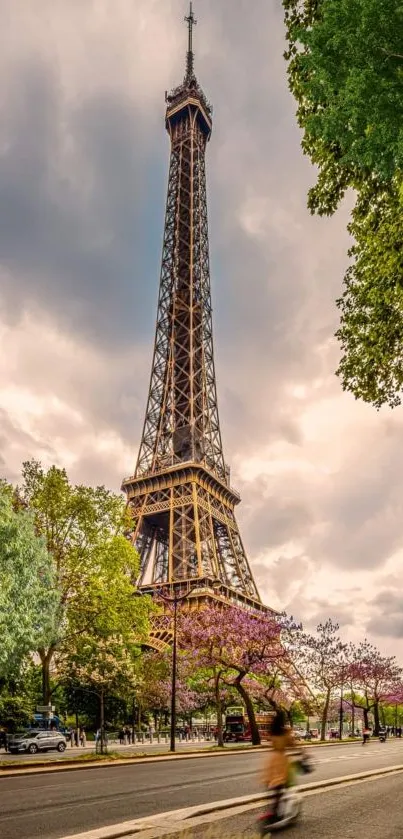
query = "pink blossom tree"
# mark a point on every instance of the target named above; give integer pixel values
(155, 684)
(322, 658)
(376, 677)
(212, 692)
(396, 695)
(236, 644)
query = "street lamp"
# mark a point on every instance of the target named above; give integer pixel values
(341, 714)
(174, 600)
(341, 708)
(101, 697)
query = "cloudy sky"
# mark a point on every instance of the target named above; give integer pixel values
(83, 169)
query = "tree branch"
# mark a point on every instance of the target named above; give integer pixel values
(391, 54)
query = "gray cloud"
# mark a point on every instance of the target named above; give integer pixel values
(284, 579)
(80, 250)
(339, 613)
(363, 507)
(387, 619)
(269, 519)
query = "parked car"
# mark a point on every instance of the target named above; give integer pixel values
(36, 741)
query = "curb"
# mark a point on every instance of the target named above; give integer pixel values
(176, 821)
(67, 765)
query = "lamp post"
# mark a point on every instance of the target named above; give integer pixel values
(101, 697)
(341, 713)
(343, 673)
(174, 599)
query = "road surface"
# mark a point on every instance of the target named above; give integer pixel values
(52, 805)
(370, 810)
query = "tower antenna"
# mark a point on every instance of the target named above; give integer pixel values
(191, 22)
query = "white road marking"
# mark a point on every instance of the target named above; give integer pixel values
(363, 753)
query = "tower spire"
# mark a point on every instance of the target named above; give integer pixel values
(191, 22)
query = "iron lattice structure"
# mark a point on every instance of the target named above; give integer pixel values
(180, 495)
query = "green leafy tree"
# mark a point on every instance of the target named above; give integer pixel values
(345, 70)
(19, 694)
(154, 684)
(104, 665)
(93, 562)
(28, 596)
(371, 329)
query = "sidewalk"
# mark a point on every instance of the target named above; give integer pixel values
(113, 746)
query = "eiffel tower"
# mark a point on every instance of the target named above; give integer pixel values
(180, 495)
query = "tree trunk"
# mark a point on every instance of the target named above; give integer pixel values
(324, 716)
(341, 715)
(353, 719)
(365, 712)
(250, 711)
(46, 660)
(133, 719)
(376, 718)
(290, 717)
(220, 739)
(102, 709)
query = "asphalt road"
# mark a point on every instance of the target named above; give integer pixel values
(371, 810)
(52, 805)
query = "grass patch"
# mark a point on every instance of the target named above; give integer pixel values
(86, 758)
(92, 756)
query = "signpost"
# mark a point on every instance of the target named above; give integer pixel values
(46, 712)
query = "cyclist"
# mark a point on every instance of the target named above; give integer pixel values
(278, 771)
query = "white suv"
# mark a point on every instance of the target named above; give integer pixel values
(37, 741)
